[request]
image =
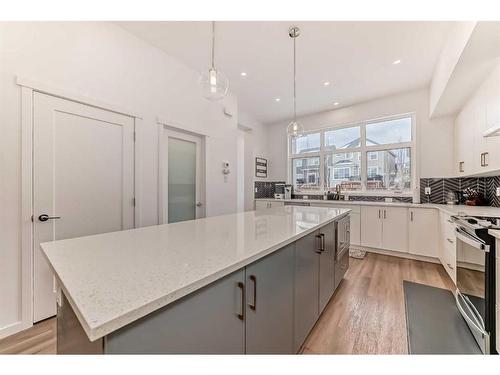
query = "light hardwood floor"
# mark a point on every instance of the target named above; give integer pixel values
(365, 316)
(39, 339)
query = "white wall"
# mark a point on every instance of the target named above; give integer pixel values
(434, 137)
(255, 145)
(448, 59)
(104, 62)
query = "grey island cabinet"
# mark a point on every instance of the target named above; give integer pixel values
(267, 305)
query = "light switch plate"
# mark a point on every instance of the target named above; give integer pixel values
(428, 190)
(498, 191)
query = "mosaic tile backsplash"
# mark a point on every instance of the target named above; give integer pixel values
(440, 187)
(265, 189)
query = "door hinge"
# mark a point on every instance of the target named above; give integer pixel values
(135, 137)
(133, 201)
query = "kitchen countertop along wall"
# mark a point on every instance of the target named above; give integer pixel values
(450, 209)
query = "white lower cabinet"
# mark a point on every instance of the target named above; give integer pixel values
(261, 205)
(395, 229)
(447, 245)
(423, 232)
(384, 227)
(371, 226)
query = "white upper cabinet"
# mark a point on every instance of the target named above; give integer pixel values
(474, 153)
(423, 232)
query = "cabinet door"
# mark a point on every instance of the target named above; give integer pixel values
(276, 204)
(261, 205)
(395, 229)
(355, 229)
(327, 265)
(423, 232)
(371, 226)
(465, 163)
(306, 287)
(269, 308)
(204, 322)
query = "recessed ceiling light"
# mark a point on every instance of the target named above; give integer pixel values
(396, 62)
(326, 83)
(243, 74)
(277, 99)
(336, 103)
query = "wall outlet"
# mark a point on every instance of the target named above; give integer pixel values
(498, 191)
(428, 190)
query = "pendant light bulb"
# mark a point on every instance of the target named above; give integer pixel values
(294, 129)
(214, 84)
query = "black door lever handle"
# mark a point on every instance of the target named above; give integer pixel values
(45, 217)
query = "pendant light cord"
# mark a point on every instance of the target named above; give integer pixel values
(294, 83)
(213, 43)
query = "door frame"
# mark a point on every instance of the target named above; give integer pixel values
(28, 88)
(164, 128)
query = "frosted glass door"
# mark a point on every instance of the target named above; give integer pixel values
(181, 180)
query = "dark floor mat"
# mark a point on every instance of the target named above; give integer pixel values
(433, 322)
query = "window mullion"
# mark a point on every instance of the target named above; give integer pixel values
(363, 159)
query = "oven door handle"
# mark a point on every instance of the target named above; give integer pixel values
(465, 316)
(478, 316)
(468, 239)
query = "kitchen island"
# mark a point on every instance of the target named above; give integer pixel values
(253, 282)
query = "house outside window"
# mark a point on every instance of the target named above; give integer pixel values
(367, 157)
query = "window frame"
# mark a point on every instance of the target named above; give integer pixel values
(363, 150)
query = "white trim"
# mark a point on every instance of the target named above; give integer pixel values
(363, 149)
(28, 87)
(26, 213)
(180, 133)
(137, 173)
(180, 127)
(398, 254)
(73, 96)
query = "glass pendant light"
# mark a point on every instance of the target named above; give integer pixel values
(214, 84)
(294, 129)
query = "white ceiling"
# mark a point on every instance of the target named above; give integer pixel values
(356, 57)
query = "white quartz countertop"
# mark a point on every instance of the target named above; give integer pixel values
(450, 209)
(116, 278)
(495, 233)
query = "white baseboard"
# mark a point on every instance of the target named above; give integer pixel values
(397, 254)
(13, 328)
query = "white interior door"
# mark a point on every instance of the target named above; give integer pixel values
(83, 180)
(182, 164)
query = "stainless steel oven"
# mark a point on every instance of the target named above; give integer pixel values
(475, 294)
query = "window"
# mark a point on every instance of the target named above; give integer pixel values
(343, 138)
(307, 143)
(395, 170)
(388, 132)
(343, 169)
(372, 172)
(306, 173)
(372, 156)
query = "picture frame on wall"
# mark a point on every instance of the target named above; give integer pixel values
(260, 167)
